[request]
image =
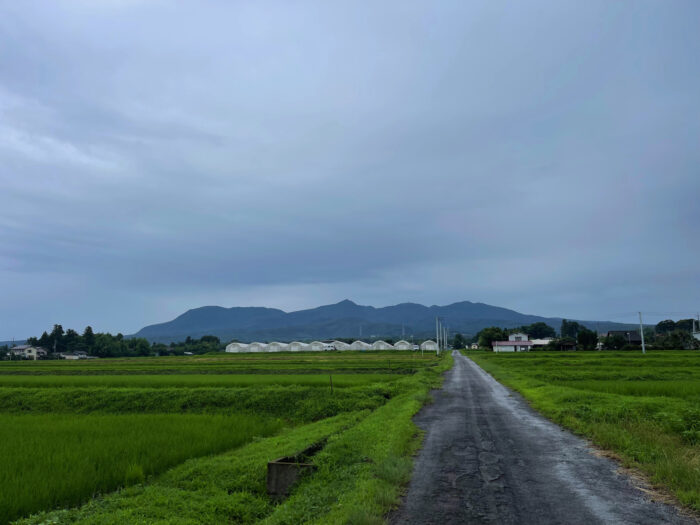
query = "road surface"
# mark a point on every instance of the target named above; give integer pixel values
(489, 458)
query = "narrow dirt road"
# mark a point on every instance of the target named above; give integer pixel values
(489, 458)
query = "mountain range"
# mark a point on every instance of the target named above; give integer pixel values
(345, 319)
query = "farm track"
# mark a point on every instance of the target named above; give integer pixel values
(489, 458)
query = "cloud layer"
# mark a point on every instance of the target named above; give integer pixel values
(156, 157)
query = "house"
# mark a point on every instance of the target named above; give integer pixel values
(237, 347)
(632, 337)
(29, 352)
(428, 345)
(360, 345)
(340, 345)
(257, 347)
(382, 345)
(403, 345)
(296, 346)
(74, 355)
(517, 342)
(541, 343)
(475, 346)
(277, 347)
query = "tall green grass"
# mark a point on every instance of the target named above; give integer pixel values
(192, 380)
(52, 460)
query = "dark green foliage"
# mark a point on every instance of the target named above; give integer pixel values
(459, 342)
(586, 339)
(490, 334)
(569, 329)
(538, 330)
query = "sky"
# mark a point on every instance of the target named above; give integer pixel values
(159, 156)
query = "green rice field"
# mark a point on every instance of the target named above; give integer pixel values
(644, 407)
(187, 439)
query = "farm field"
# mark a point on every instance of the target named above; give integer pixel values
(75, 432)
(645, 408)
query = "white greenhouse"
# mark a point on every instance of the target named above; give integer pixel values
(360, 345)
(403, 345)
(257, 347)
(339, 345)
(428, 345)
(296, 346)
(317, 346)
(277, 347)
(381, 345)
(237, 347)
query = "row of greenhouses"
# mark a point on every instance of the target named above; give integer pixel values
(321, 346)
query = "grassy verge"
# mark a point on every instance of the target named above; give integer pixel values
(641, 407)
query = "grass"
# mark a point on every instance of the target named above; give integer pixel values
(191, 380)
(646, 408)
(50, 460)
(77, 430)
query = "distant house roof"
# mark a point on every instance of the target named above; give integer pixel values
(512, 343)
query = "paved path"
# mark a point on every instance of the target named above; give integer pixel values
(489, 458)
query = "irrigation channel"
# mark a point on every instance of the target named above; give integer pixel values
(489, 458)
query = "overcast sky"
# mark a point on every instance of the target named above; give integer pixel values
(159, 156)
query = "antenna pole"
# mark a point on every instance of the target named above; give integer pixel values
(641, 331)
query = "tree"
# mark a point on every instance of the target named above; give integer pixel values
(569, 328)
(458, 342)
(56, 339)
(685, 324)
(614, 342)
(490, 334)
(539, 330)
(666, 326)
(587, 339)
(89, 337)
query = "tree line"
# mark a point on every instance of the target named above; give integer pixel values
(69, 341)
(666, 335)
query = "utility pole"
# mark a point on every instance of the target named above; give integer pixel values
(641, 330)
(437, 333)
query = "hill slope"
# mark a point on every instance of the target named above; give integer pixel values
(343, 319)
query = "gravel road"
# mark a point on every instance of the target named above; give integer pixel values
(489, 458)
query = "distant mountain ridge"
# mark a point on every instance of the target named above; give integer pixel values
(344, 319)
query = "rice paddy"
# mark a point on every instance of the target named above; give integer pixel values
(74, 430)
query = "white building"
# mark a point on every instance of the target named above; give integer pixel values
(403, 345)
(317, 346)
(517, 342)
(74, 356)
(541, 343)
(360, 345)
(257, 347)
(381, 345)
(277, 347)
(296, 346)
(475, 346)
(29, 352)
(237, 347)
(340, 345)
(428, 345)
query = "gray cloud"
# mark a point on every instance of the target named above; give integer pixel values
(156, 157)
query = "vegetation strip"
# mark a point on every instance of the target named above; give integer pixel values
(642, 407)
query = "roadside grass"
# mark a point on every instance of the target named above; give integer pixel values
(649, 414)
(366, 459)
(51, 460)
